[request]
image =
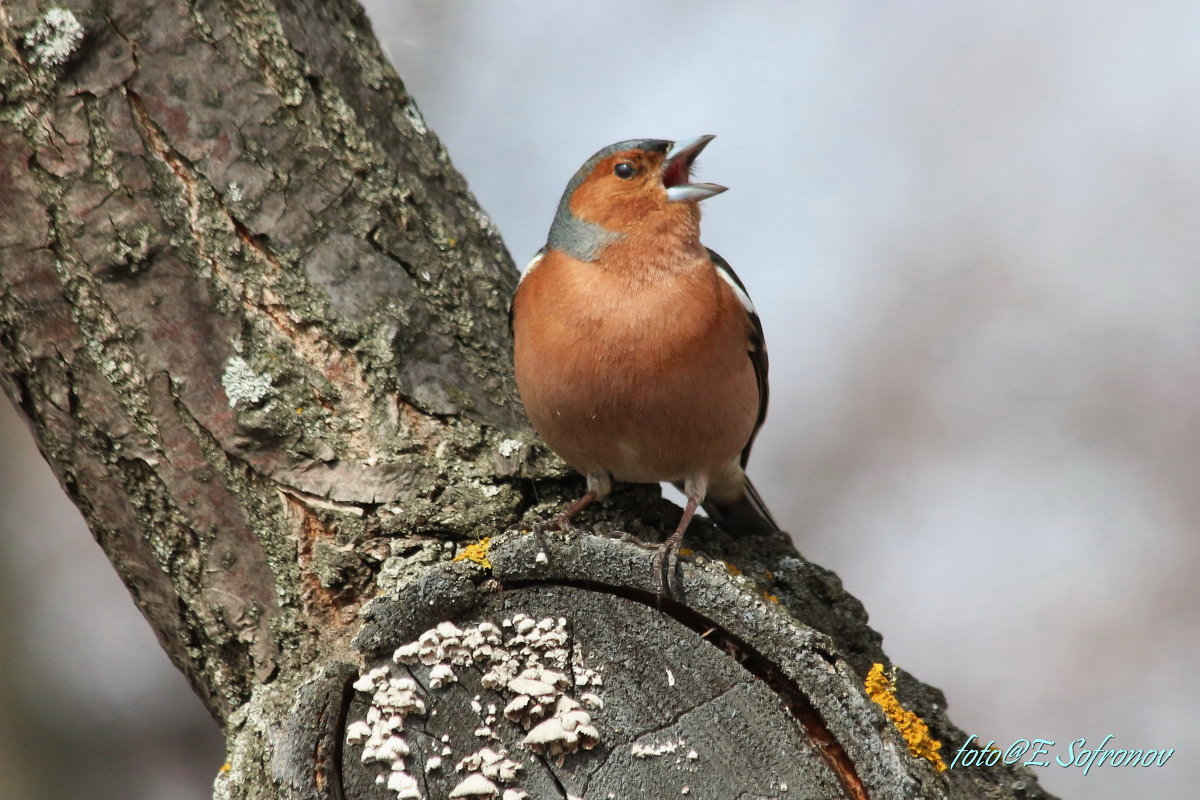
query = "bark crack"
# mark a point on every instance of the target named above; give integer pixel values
(558, 784)
(206, 221)
(801, 709)
(675, 720)
(106, 343)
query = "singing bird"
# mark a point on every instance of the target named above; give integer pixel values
(639, 356)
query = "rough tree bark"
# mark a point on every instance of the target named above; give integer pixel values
(258, 326)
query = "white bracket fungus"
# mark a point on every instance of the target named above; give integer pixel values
(530, 664)
(475, 785)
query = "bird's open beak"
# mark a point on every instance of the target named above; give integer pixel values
(677, 167)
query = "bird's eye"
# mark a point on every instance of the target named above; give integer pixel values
(624, 170)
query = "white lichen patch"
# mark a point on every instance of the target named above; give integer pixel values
(413, 115)
(486, 222)
(243, 383)
(529, 665)
(54, 37)
(642, 750)
(510, 447)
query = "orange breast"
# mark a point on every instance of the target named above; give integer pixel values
(642, 374)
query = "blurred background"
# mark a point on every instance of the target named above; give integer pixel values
(972, 231)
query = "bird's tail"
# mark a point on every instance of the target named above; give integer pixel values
(745, 517)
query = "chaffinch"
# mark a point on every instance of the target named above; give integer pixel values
(639, 356)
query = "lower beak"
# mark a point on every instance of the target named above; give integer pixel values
(677, 166)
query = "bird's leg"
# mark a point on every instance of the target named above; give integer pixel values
(560, 521)
(666, 563)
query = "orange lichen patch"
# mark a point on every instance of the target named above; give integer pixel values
(881, 689)
(732, 569)
(226, 767)
(477, 552)
(686, 551)
(770, 598)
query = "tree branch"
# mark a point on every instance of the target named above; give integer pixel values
(257, 325)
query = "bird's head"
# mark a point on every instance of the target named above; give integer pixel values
(631, 189)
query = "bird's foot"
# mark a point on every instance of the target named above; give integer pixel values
(620, 536)
(559, 522)
(666, 573)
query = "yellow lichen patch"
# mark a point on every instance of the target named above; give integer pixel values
(881, 689)
(477, 552)
(686, 551)
(226, 767)
(733, 569)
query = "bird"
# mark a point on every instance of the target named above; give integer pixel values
(638, 354)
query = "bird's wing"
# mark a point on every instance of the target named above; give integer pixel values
(757, 345)
(533, 262)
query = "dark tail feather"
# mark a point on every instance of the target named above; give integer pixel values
(746, 517)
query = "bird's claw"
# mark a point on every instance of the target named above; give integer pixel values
(621, 536)
(666, 573)
(558, 522)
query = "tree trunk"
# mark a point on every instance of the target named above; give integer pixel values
(258, 326)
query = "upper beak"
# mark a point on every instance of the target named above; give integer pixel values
(679, 163)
